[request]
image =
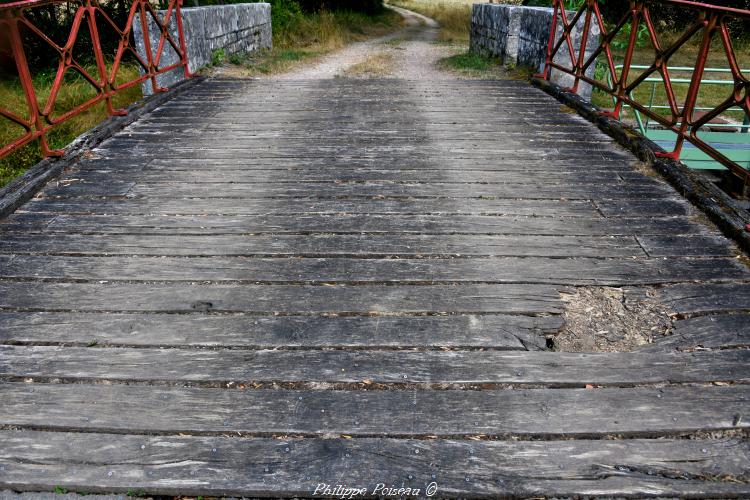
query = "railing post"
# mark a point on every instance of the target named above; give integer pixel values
(578, 70)
(147, 46)
(183, 43)
(636, 10)
(695, 83)
(551, 41)
(101, 65)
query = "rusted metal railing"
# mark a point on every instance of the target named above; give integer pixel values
(39, 119)
(710, 26)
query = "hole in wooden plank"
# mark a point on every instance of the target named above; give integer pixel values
(604, 319)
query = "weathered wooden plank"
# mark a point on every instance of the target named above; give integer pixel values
(642, 485)
(700, 298)
(548, 413)
(218, 206)
(438, 154)
(176, 189)
(424, 206)
(344, 223)
(720, 331)
(317, 245)
(463, 178)
(454, 368)
(288, 467)
(641, 207)
(277, 299)
(535, 166)
(41, 495)
(687, 246)
(573, 271)
(259, 332)
(567, 134)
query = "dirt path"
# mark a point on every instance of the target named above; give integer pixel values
(410, 53)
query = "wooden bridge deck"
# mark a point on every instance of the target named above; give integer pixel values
(261, 287)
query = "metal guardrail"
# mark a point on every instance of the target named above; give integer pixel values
(39, 120)
(643, 124)
(711, 25)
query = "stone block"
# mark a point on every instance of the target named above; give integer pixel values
(235, 28)
(519, 36)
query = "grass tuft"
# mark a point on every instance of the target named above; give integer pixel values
(473, 65)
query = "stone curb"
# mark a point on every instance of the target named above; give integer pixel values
(25, 187)
(722, 209)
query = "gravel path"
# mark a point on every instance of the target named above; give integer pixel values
(412, 51)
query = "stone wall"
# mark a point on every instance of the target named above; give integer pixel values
(519, 36)
(235, 28)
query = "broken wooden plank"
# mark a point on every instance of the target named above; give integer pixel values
(260, 332)
(698, 298)
(721, 331)
(282, 299)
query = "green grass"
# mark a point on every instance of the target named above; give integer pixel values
(473, 65)
(74, 91)
(218, 57)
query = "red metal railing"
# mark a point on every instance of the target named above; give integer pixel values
(39, 118)
(710, 26)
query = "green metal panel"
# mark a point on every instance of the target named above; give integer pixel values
(735, 146)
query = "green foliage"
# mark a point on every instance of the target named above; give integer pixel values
(600, 71)
(60, 490)
(284, 13)
(473, 65)
(55, 21)
(218, 57)
(370, 7)
(471, 61)
(621, 41)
